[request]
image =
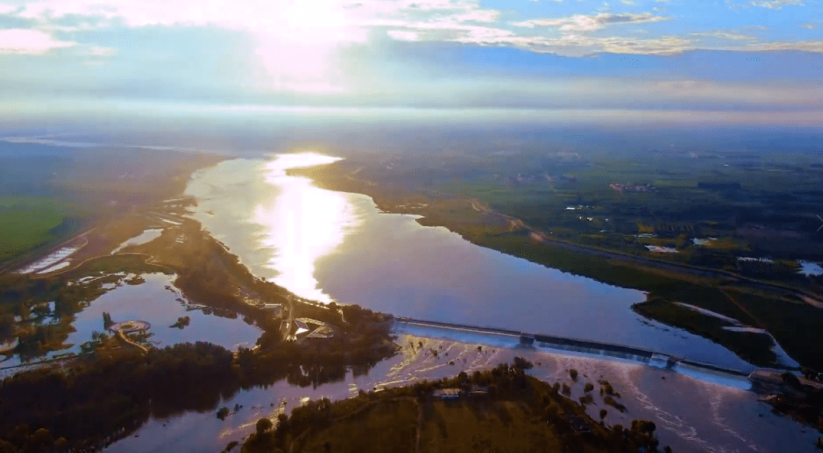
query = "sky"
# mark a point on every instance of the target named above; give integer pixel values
(730, 60)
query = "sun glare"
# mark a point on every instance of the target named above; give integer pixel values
(303, 224)
(299, 47)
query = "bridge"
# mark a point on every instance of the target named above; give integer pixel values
(645, 356)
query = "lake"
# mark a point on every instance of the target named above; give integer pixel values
(327, 245)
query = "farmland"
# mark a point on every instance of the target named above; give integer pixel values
(734, 223)
(28, 222)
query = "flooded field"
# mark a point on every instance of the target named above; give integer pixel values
(143, 238)
(160, 304)
(691, 414)
(154, 300)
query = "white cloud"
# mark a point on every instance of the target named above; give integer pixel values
(591, 23)
(32, 42)
(777, 4)
(97, 51)
(6, 9)
(403, 35)
(725, 35)
(805, 46)
(298, 40)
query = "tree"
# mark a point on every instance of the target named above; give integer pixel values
(791, 380)
(263, 425)
(43, 438)
(107, 322)
(522, 364)
(603, 413)
(573, 374)
(61, 444)
(6, 447)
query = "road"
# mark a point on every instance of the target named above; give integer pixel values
(697, 271)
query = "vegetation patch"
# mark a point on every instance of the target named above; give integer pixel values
(516, 413)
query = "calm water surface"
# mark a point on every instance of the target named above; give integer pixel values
(327, 245)
(159, 303)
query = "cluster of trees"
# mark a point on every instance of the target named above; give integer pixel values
(103, 398)
(182, 322)
(505, 382)
(805, 402)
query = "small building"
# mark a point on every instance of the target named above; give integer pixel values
(526, 339)
(447, 394)
(275, 309)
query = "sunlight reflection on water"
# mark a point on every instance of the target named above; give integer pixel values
(303, 223)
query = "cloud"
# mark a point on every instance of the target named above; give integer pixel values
(804, 46)
(403, 35)
(299, 42)
(31, 42)
(809, 26)
(591, 23)
(725, 35)
(777, 4)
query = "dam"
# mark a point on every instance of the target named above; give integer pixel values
(506, 338)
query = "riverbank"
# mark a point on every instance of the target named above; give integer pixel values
(751, 303)
(209, 275)
(104, 197)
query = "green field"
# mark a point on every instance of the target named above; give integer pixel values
(28, 222)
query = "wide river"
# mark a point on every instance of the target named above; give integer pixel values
(336, 246)
(327, 245)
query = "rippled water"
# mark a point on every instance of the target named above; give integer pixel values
(328, 245)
